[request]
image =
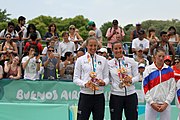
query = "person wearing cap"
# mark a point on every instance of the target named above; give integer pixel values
(74, 36)
(92, 26)
(167, 60)
(158, 87)
(123, 70)
(141, 68)
(140, 42)
(140, 58)
(112, 34)
(103, 52)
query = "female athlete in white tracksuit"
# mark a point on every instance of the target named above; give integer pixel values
(91, 100)
(123, 98)
(159, 87)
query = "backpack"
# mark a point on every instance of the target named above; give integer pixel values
(6, 31)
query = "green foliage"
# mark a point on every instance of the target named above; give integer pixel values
(4, 16)
(42, 22)
(104, 29)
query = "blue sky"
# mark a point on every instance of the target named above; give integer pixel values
(100, 11)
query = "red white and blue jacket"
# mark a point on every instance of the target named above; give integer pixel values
(178, 94)
(159, 84)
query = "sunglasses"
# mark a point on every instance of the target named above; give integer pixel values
(8, 37)
(176, 62)
(72, 28)
(51, 50)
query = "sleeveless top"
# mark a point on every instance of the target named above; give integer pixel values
(11, 72)
(72, 38)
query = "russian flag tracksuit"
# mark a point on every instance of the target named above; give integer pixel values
(159, 87)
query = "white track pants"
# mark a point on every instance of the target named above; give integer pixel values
(151, 114)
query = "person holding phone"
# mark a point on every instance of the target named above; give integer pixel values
(31, 64)
(50, 63)
(66, 68)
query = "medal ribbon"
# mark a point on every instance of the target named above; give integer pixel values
(94, 62)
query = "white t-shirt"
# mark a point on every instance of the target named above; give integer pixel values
(13, 33)
(143, 44)
(30, 71)
(66, 47)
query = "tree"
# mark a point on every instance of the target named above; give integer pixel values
(4, 16)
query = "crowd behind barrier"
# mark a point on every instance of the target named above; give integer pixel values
(58, 58)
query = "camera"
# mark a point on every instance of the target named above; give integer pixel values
(36, 54)
(55, 54)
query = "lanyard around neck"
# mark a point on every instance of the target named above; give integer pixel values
(119, 66)
(93, 57)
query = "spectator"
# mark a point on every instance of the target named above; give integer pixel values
(92, 26)
(176, 69)
(173, 36)
(10, 29)
(140, 43)
(13, 70)
(35, 42)
(1, 72)
(91, 96)
(134, 33)
(31, 29)
(141, 68)
(67, 67)
(140, 58)
(91, 34)
(80, 53)
(178, 49)
(169, 49)
(75, 37)
(51, 44)
(52, 35)
(123, 74)
(50, 63)
(20, 28)
(8, 48)
(159, 87)
(103, 52)
(31, 64)
(152, 36)
(167, 60)
(125, 46)
(66, 45)
(112, 34)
